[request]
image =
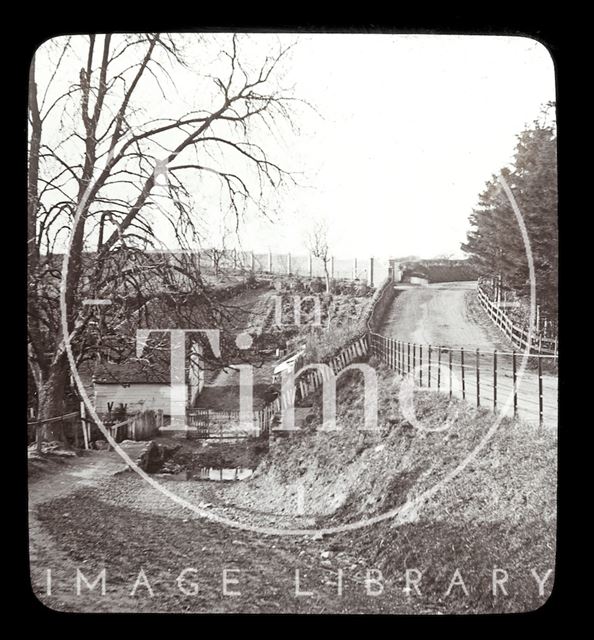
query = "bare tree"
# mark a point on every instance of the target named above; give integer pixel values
(220, 248)
(96, 155)
(317, 244)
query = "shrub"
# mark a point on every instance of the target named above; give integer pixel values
(316, 285)
(251, 280)
(348, 288)
(298, 285)
(336, 287)
(362, 289)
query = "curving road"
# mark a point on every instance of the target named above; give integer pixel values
(448, 315)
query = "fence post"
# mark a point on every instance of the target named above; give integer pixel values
(540, 398)
(269, 261)
(83, 422)
(514, 382)
(332, 267)
(414, 365)
(478, 379)
(429, 374)
(420, 365)
(495, 380)
(371, 272)
(355, 269)
(463, 380)
(408, 356)
(438, 368)
(289, 264)
(450, 362)
(38, 428)
(310, 265)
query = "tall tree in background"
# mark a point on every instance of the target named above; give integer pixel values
(494, 242)
(100, 143)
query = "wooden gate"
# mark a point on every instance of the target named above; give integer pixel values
(211, 423)
(199, 419)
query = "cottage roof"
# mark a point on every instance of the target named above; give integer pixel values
(132, 371)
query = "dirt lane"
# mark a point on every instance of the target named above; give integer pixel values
(447, 314)
(439, 314)
(83, 517)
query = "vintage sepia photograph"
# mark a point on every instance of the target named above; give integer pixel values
(292, 323)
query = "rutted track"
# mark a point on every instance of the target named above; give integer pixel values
(446, 315)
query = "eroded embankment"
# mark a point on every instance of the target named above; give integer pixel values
(350, 474)
(478, 494)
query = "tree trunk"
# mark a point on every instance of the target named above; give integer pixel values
(51, 400)
(327, 275)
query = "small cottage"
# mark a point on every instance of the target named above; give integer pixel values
(140, 383)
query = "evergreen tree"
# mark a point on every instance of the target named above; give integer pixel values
(494, 242)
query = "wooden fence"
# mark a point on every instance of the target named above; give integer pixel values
(487, 379)
(312, 379)
(213, 423)
(521, 337)
(141, 426)
(208, 423)
(366, 268)
(356, 349)
(35, 427)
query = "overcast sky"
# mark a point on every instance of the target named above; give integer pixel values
(414, 127)
(410, 129)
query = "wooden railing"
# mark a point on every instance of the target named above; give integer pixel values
(310, 380)
(356, 349)
(492, 379)
(38, 425)
(140, 426)
(521, 337)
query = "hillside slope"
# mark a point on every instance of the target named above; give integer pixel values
(498, 511)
